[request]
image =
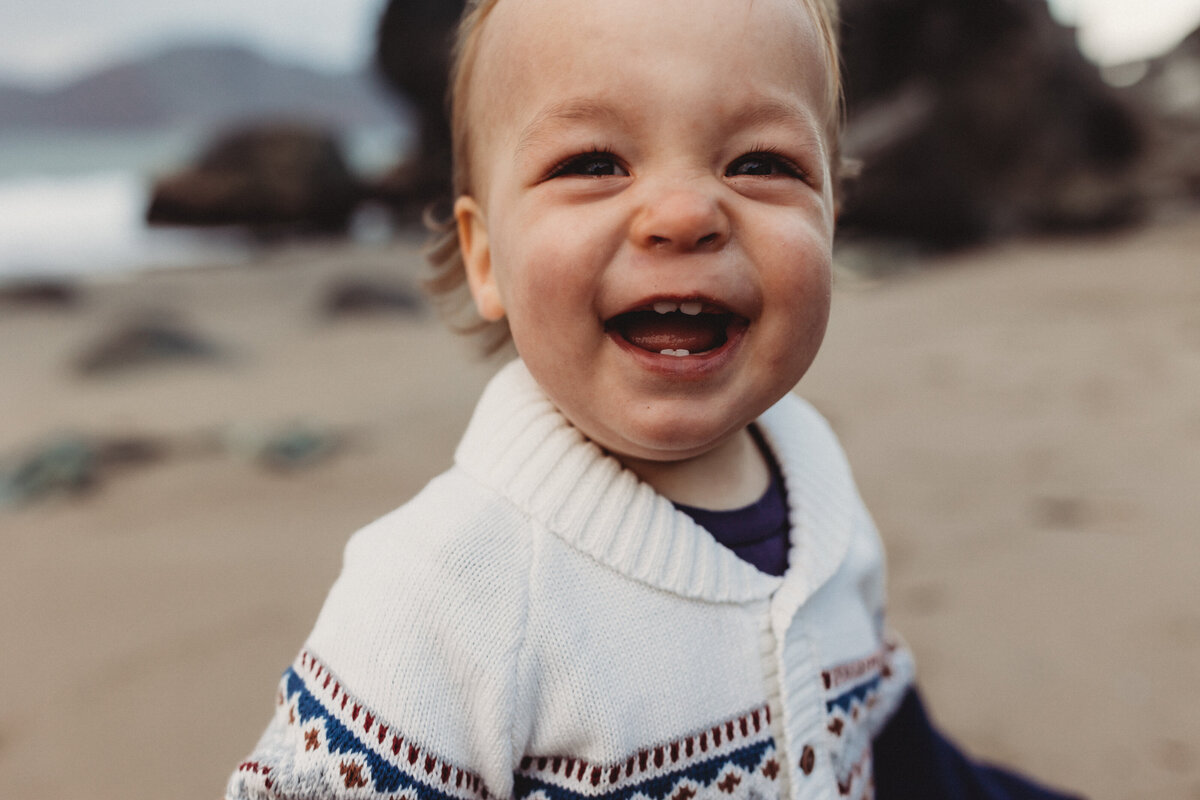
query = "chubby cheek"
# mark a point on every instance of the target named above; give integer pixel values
(552, 321)
(549, 278)
(814, 308)
(802, 290)
(546, 310)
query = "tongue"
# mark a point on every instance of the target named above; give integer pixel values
(657, 332)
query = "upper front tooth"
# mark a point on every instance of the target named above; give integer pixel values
(665, 306)
(691, 309)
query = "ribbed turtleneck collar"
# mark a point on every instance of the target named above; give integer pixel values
(519, 445)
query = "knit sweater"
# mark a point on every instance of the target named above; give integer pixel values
(537, 622)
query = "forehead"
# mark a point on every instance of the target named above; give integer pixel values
(533, 53)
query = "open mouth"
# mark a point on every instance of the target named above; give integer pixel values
(676, 328)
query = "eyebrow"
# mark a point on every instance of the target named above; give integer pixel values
(570, 110)
(770, 111)
(774, 111)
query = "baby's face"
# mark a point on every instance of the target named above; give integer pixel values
(652, 209)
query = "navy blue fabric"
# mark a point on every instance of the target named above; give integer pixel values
(913, 761)
(758, 533)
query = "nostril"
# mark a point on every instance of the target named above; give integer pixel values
(709, 239)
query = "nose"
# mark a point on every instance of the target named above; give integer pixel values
(683, 216)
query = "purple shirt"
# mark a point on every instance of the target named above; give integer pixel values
(757, 533)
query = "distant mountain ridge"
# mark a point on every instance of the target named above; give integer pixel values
(199, 85)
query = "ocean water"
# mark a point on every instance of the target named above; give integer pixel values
(74, 204)
(92, 224)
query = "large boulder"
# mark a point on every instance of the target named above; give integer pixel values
(977, 120)
(268, 177)
(413, 55)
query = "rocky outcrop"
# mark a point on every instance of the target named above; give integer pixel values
(413, 56)
(269, 177)
(979, 120)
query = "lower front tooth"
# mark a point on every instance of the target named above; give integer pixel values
(677, 353)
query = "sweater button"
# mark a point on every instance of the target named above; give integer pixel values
(808, 760)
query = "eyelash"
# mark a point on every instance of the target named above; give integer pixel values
(772, 154)
(571, 164)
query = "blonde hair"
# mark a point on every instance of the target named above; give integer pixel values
(448, 280)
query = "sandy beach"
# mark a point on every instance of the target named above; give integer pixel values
(1023, 421)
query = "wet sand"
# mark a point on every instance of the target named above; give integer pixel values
(1024, 423)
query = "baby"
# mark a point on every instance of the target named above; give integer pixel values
(649, 573)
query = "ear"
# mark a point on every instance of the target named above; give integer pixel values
(477, 257)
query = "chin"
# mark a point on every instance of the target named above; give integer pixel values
(667, 436)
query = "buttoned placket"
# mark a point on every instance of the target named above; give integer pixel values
(797, 707)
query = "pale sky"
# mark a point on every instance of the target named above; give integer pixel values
(51, 40)
(48, 41)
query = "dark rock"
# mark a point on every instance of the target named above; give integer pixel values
(360, 296)
(417, 186)
(268, 177)
(72, 464)
(285, 448)
(1168, 95)
(979, 120)
(297, 447)
(130, 451)
(67, 465)
(412, 54)
(44, 293)
(145, 343)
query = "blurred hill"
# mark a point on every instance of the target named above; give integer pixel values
(198, 85)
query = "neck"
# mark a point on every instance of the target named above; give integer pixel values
(732, 475)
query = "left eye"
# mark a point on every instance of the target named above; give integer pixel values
(593, 164)
(762, 164)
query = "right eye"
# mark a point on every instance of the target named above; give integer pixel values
(593, 164)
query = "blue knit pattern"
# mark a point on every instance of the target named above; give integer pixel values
(846, 700)
(703, 773)
(387, 777)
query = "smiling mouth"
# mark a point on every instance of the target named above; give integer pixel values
(676, 328)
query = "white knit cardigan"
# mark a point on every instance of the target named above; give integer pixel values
(537, 622)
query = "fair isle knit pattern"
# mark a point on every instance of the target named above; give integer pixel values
(335, 746)
(733, 758)
(538, 623)
(853, 692)
(355, 751)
